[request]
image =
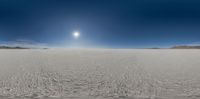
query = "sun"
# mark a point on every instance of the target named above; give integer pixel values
(76, 35)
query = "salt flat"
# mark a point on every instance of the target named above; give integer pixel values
(113, 73)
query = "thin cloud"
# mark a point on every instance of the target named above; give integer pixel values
(194, 44)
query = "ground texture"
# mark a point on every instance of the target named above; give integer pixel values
(100, 73)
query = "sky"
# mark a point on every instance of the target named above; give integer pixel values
(101, 23)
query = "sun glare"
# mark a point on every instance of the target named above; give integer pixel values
(76, 35)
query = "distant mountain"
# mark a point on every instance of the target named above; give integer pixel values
(22, 44)
(15, 47)
(18, 47)
(154, 48)
(186, 47)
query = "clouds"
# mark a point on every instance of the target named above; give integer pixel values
(194, 44)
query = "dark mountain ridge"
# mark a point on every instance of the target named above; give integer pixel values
(186, 47)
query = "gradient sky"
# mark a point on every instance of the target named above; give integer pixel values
(102, 23)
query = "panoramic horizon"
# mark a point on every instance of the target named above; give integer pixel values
(100, 24)
(99, 49)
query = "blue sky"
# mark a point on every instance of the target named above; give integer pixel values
(102, 23)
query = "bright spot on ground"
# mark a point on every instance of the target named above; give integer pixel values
(76, 35)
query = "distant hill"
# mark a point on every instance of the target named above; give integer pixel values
(18, 47)
(154, 48)
(185, 47)
(15, 47)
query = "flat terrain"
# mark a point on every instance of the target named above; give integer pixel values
(108, 73)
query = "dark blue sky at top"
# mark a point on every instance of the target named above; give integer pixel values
(102, 23)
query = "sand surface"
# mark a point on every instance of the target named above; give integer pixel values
(144, 73)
